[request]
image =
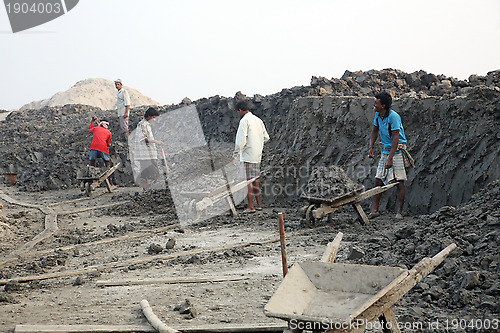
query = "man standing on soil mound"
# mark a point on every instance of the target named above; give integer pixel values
(391, 166)
(122, 108)
(250, 139)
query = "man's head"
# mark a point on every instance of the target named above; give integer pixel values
(151, 113)
(104, 124)
(118, 84)
(383, 101)
(242, 107)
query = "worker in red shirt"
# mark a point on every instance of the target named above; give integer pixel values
(101, 140)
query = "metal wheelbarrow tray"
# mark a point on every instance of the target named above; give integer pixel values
(89, 184)
(346, 296)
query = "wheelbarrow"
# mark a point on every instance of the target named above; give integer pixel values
(334, 297)
(198, 202)
(90, 183)
(321, 207)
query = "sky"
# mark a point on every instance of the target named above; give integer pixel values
(170, 49)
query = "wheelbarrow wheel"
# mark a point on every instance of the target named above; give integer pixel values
(310, 220)
(330, 218)
(88, 189)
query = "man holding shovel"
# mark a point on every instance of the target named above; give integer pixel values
(145, 151)
(391, 167)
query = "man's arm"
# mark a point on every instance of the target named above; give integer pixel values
(241, 138)
(91, 127)
(394, 147)
(266, 135)
(126, 99)
(373, 138)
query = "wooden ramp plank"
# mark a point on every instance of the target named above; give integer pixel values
(83, 328)
(173, 280)
(218, 328)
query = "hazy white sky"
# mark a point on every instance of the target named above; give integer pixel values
(170, 49)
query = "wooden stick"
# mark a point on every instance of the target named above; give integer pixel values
(332, 248)
(281, 223)
(174, 280)
(153, 319)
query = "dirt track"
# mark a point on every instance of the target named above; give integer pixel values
(76, 299)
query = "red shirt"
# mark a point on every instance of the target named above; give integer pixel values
(101, 139)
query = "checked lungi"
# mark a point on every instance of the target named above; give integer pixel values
(248, 170)
(394, 174)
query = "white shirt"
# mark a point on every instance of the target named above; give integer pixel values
(250, 139)
(122, 100)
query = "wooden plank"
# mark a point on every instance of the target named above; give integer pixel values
(332, 248)
(216, 328)
(210, 200)
(105, 176)
(173, 280)
(389, 322)
(415, 275)
(243, 184)
(142, 261)
(231, 205)
(361, 213)
(76, 200)
(92, 208)
(13, 201)
(220, 189)
(374, 191)
(83, 328)
(70, 247)
(154, 320)
(108, 186)
(323, 211)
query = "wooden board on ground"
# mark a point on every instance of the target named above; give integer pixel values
(218, 328)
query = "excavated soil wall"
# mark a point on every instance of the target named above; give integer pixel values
(451, 127)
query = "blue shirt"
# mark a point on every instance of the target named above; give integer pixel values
(394, 119)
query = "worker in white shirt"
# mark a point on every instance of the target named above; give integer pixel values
(122, 108)
(250, 139)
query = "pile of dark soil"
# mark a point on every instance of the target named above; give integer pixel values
(330, 183)
(451, 126)
(466, 285)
